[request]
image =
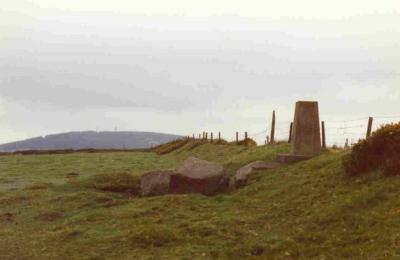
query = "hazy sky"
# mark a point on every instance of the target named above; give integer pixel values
(188, 66)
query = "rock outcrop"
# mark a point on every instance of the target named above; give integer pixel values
(242, 175)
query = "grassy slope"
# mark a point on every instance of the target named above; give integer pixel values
(306, 210)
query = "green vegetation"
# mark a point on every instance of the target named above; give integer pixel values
(247, 142)
(378, 152)
(85, 206)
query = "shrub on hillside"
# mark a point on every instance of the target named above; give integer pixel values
(381, 151)
(247, 142)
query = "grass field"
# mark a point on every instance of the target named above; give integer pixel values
(86, 206)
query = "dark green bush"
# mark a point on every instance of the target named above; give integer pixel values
(391, 166)
(381, 151)
(248, 142)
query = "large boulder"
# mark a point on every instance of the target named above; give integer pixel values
(155, 183)
(198, 176)
(242, 175)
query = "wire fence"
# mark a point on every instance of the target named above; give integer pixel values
(337, 132)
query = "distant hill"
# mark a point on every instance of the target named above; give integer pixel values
(90, 139)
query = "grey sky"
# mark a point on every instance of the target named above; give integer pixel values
(184, 68)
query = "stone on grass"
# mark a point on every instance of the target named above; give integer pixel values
(242, 175)
(199, 176)
(261, 165)
(155, 183)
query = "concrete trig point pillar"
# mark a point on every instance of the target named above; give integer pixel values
(306, 137)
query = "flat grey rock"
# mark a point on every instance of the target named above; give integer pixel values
(242, 175)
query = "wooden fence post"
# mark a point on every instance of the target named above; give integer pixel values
(199, 136)
(245, 136)
(219, 136)
(273, 128)
(237, 137)
(369, 129)
(206, 136)
(323, 134)
(212, 137)
(290, 132)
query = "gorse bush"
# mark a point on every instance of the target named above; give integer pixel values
(381, 151)
(247, 142)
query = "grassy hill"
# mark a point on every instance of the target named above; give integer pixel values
(84, 206)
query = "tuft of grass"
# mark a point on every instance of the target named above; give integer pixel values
(153, 236)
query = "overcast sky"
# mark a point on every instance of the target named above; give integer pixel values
(181, 66)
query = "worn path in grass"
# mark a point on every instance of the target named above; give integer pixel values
(85, 206)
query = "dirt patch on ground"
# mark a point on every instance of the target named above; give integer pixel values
(39, 186)
(7, 217)
(72, 175)
(118, 183)
(49, 216)
(13, 200)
